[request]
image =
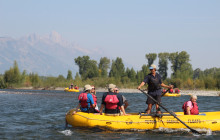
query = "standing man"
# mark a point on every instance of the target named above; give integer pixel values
(154, 82)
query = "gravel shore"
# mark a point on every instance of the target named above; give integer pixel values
(182, 92)
(122, 90)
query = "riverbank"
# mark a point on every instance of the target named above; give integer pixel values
(122, 90)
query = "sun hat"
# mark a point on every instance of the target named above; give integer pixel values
(111, 86)
(152, 67)
(87, 87)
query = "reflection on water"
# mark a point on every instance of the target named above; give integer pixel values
(37, 114)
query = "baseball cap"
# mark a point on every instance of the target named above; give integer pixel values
(152, 67)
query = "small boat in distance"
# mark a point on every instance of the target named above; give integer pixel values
(172, 94)
(71, 90)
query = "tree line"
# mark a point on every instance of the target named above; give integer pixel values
(113, 71)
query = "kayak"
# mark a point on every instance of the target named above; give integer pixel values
(71, 90)
(172, 94)
(205, 120)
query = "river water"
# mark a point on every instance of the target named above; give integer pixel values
(40, 114)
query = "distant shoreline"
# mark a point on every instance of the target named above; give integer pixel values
(123, 90)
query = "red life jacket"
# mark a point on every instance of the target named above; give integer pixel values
(83, 100)
(177, 90)
(95, 99)
(164, 90)
(171, 90)
(111, 101)
(193, 111)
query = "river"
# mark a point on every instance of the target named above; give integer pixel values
(40, 114)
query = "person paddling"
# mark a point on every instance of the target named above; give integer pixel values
(190, 107)
(155, 83)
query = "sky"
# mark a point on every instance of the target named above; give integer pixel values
(129, 29)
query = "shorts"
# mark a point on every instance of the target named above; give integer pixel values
(156, 97)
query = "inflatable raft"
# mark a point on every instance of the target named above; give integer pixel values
(172, 94)
(71, 90)
(205, 120)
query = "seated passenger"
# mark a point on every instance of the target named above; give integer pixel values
(71, 86)
(75, 87)
(124, 100)
(171, 90)
(86, 102)
(177, 90)
(112, 101)
(190, 107)
(93, 92)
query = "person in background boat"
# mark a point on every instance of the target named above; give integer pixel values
(71, 86)
(86, 102)
(111, 101)
(190, 107)
(93, 92)
(124, 100)
(155, 83)
(171, 90)
(75, 87)
(177, 90)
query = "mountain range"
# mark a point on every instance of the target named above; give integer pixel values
(48, 55)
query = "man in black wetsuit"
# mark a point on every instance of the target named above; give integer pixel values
(154, 82)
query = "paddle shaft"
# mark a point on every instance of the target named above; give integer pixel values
(165, 92)
(171, 113)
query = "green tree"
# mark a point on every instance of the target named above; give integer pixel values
(140, 76)
(13, 75)
(61, 78)
(163, 64)
(34, 79)
(104, 65)
(2, 82)
(77, 77)
(180, 65)
(87, 68)
(197, 74)
(151, 57)
(117, 69)
(145, 70)
(69, 75)
(131, 74)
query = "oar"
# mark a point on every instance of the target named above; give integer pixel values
(165, 92)
(171, 113)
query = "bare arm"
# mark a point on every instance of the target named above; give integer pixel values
(188, 110)
(78, 106)
(139, 87)
(123, 110)
(163, 85)
(101, 108)
(126, 104)
(93, 105)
